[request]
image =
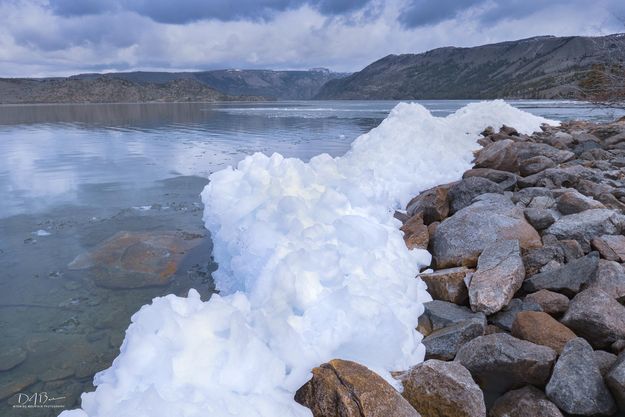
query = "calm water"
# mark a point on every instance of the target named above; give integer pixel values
(73, 176)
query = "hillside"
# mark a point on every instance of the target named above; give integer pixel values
(541, 67)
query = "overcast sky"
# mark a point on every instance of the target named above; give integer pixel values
(62, 37)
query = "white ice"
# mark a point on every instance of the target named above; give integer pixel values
(312, 266)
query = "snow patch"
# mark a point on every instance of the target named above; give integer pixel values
(312, 266)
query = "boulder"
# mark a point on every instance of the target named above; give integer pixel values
(604, 360)
(529, 150)
(610, 278)
(443, 389)
(535, 164)
(540, 328)
(597, 317)
(459, 240)
(506, 180)
(432, 204)
(443, 314)
(342, 388)
(499, 362)
(550, 302)
(576, 385)
(448, 284)
(444, 343)
(500, 273)
(611, 247)
(568, 279)
(526, 195)
(559, 177)
(572, 202)
(539, 218)
(505, 318)
(584, 226)
(535, 259)
(528, 401)
(463, 192)
(416, 235)
(500, 155)
(615, 379)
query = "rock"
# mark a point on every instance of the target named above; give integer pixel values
(572, 249)
(136, 259)
(550, 302)
(15, 385)
(505, 318)
(542, 329)
(463, 192)
(535, 259)
(611, 247)
(584, 226)
(443, 314)
(576, 385)
(524, 402)
(501, 155)
(604, 360)
(615, 379)
(572, 202)
(561, 140)
(530, 150)
(499, 362)
(459, 240)
(444, 343)
(346, 389)
(505, 180)
(535, 164)
(526, 195)
(540, 219)
(424, 325)
(433, 204)
(568, 279)
(448, 284)
(443, 389)
(618, 346)
(597, 317)
(53, 374)
(416, 235)
(507, 130)
(492, 329)
(610, 278)
(542, 202)
(500, 273)
(11, 357)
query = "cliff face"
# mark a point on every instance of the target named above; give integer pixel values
(541, 67)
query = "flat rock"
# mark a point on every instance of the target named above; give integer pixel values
(500, 273)
(444, 343)
(499, 362)
(535, 164)
(136, 259)
(463, 192)
(615, 379)
(459, 239)
(542, 329)
(584, 226)
(539, 218)
(528, 401)
(11, 357)
(416, 234)
(432, 204)
(443, 314)
(604, 360)
(505, 318)
(342, 388)
(550, 302)
(568, 279)
(610, 278)
(611, 247)
(443, 389)
(597, 317)
(448, 284)
(576, 385)
(572, 202)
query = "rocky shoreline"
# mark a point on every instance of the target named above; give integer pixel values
(528, 284)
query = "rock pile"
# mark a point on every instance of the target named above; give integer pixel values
(527, 280)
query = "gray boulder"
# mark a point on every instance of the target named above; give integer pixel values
(535, 164)
(616, 381)
(448, 284)
(444, 343)
(610, 278)
(584, 226)
(442, 314)
(604, 360)
(506, 317)
(576, 385)
(463, 192)
(539, 218)
(568, 279)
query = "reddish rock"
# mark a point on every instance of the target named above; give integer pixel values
(501, 155)
(432, 204)
(542, 329)
(550, 302)
(416, 233)
(448, 284)
(528, 401)
(573, 201)
(611, 247)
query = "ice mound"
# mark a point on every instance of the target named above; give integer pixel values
(312, 266)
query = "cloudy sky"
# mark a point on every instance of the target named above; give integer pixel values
(62, 37)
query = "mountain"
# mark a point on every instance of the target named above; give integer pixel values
(107, 90)
(540, 67)
(278, 85)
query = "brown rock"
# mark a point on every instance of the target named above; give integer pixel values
(416, 235)
(535, 164)
(432, 204)
(346, 389)
(542, 329)
(572, 202)
(611, 247)
(550, 302)
(501, 155)
(528, 401)
(448, 284)
(443, 389)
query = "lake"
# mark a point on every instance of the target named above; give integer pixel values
(94, 197)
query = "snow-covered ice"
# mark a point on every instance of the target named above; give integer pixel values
(312, 266)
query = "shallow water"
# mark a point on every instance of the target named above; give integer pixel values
(73, 176)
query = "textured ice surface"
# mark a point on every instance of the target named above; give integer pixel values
(312, 266)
